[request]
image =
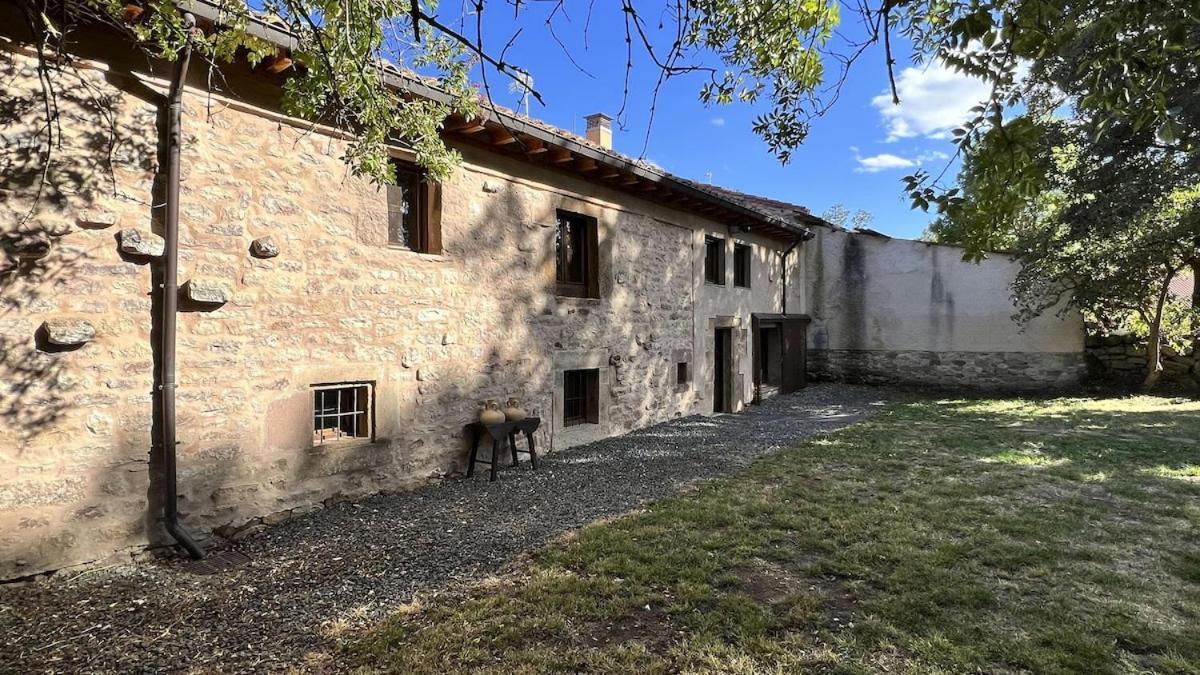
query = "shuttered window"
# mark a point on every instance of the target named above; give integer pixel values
(576, 250)
(414, 210)
(714, 260)
(741, 265)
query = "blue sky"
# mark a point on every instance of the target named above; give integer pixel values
(855, 155)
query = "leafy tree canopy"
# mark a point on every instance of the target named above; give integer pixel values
(1114, 61)
(754, 49)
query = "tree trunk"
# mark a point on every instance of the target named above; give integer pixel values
(1154, 365)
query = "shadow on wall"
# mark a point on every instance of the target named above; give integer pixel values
(52, 176)
(79, 456)
(490, 327)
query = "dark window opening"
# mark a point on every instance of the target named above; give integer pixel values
(681, 373)
(342, 411)
(741, 265)
(576, 252)
(414, 210)
(581, 397)
(714, 260)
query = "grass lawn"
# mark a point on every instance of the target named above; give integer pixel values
(938, 536)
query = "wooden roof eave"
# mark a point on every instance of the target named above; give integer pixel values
(207, 11)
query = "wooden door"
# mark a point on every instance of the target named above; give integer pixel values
(795, 354)
(722, 361)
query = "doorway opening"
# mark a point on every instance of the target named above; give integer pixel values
(780, 353)
(770, 363)
(722, 369)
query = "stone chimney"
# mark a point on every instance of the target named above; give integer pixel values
(599, 130)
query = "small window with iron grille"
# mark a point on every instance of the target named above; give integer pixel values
(343, 412)
(581, 397)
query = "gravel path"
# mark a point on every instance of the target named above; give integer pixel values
(355, 562)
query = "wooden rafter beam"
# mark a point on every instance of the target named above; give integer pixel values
(501, 136)
(534, 146)
(585, 164)
(466, 126)
(560, 155)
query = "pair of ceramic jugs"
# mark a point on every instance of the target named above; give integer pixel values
(492, 413)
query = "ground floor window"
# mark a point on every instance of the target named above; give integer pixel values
(681, 373)
(581, 397)
(342, 411)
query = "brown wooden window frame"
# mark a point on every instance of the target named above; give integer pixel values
(588, 283)
(742, 257)
(425, 235)
(352, 405)
(581, 397)
(714, 260)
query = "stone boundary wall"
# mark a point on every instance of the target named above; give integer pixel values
(974, 370)
(1122, 358)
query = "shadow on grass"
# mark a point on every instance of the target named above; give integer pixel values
(939, 536)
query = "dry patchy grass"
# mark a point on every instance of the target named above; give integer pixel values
(939, 536)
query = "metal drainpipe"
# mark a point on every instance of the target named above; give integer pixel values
(170, 298)
(806, 236)
(783, 271)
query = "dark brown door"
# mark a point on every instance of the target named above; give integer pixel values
(795, 354)
(722, 360)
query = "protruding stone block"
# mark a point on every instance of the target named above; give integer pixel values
(144, 244)
(68, 332)
(207, 291)
(264, 247)
(97, 218)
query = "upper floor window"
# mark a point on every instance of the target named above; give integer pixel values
(714, 260)
(741, 265)
(576, 256)
(414, 210)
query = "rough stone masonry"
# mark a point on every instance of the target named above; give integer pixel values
(290, 282)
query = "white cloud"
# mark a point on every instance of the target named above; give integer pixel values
(717, 121)
(882, 162)
(933, 101)
(887, 161)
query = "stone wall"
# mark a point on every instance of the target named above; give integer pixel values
(1013, 371)
(1122, 358)
(894, 310)
(433, 334)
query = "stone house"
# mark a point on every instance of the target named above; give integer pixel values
(334, 337)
